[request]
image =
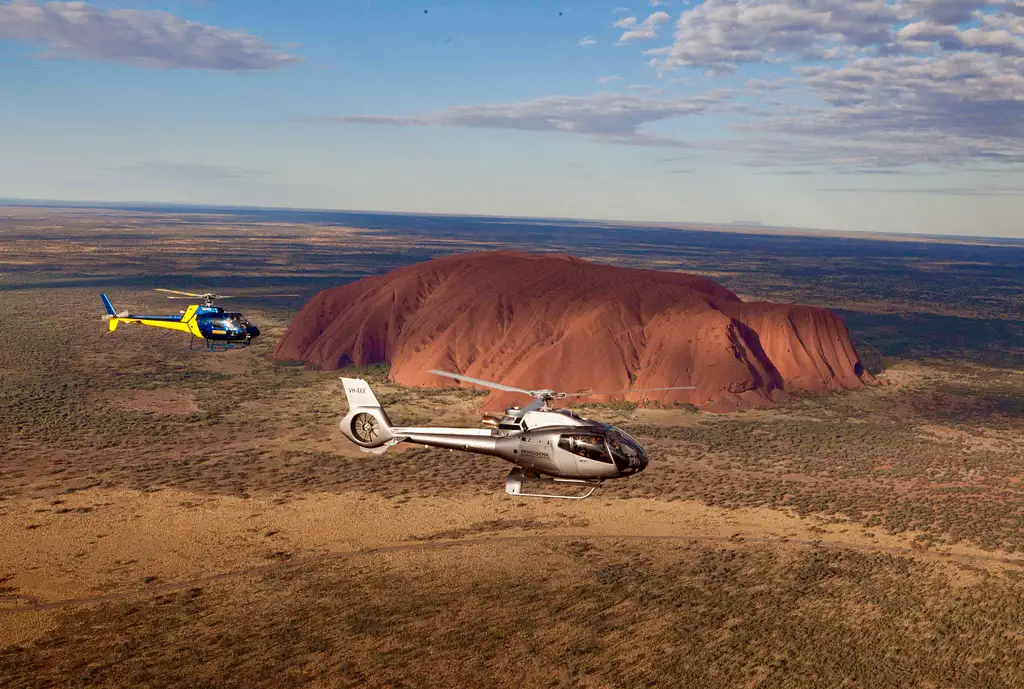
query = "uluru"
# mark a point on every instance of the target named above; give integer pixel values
(554, 321)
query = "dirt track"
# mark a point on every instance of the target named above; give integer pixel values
(35, 605)
(177, 543)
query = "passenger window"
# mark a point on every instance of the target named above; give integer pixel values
(589, 446)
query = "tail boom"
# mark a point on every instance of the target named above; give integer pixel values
(115, 318)
(368, 426)
(484, 443)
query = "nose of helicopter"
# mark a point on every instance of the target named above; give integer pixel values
(636, 464)
(629, 457)
(643, 461)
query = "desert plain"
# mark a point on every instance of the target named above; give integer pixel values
(175, 518)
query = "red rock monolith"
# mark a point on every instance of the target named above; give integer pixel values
(556, 321)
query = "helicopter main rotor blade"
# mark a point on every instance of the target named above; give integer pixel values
(213, 297)
(485, 383)
(209, 295)
(176, 291)
(624, 392)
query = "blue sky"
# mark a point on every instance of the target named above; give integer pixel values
(888, 115)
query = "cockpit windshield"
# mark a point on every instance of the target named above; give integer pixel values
(610, 446)
(624, 449)
(228, 321)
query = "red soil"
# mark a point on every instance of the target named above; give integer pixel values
(556, 321)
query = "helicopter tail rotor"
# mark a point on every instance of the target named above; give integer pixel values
(112, 315)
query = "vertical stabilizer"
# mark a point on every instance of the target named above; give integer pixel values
(111, 314)
(108, 306)
(359, 394)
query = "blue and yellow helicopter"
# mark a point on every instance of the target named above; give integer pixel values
(217, 327)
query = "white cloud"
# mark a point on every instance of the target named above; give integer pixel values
(910, 81)
(857, 85)
(642, 32)
(996, 34)
(963, 94)
(757, 85)
(620, 10)
(943, 11)
(727, 33)
(657, 3)
(644, 88)
(144, 38)
(617, 118)
(605, 80)
(586, 41)
(917, 123)
(937, 191)
(891, 152)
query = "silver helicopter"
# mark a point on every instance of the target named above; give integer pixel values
(552, 446)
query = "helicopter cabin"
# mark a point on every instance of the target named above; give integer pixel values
(225, 326)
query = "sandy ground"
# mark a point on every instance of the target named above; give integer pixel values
(125, 542)
(160, 401)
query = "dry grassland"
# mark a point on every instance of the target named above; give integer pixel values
(178, 519)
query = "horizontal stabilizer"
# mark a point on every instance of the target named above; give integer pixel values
(383, 448)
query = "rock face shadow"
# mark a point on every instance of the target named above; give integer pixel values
(917, 335)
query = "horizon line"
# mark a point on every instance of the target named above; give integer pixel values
(734, 227)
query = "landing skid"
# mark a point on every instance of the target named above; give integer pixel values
(514, 485)
(214, 346)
